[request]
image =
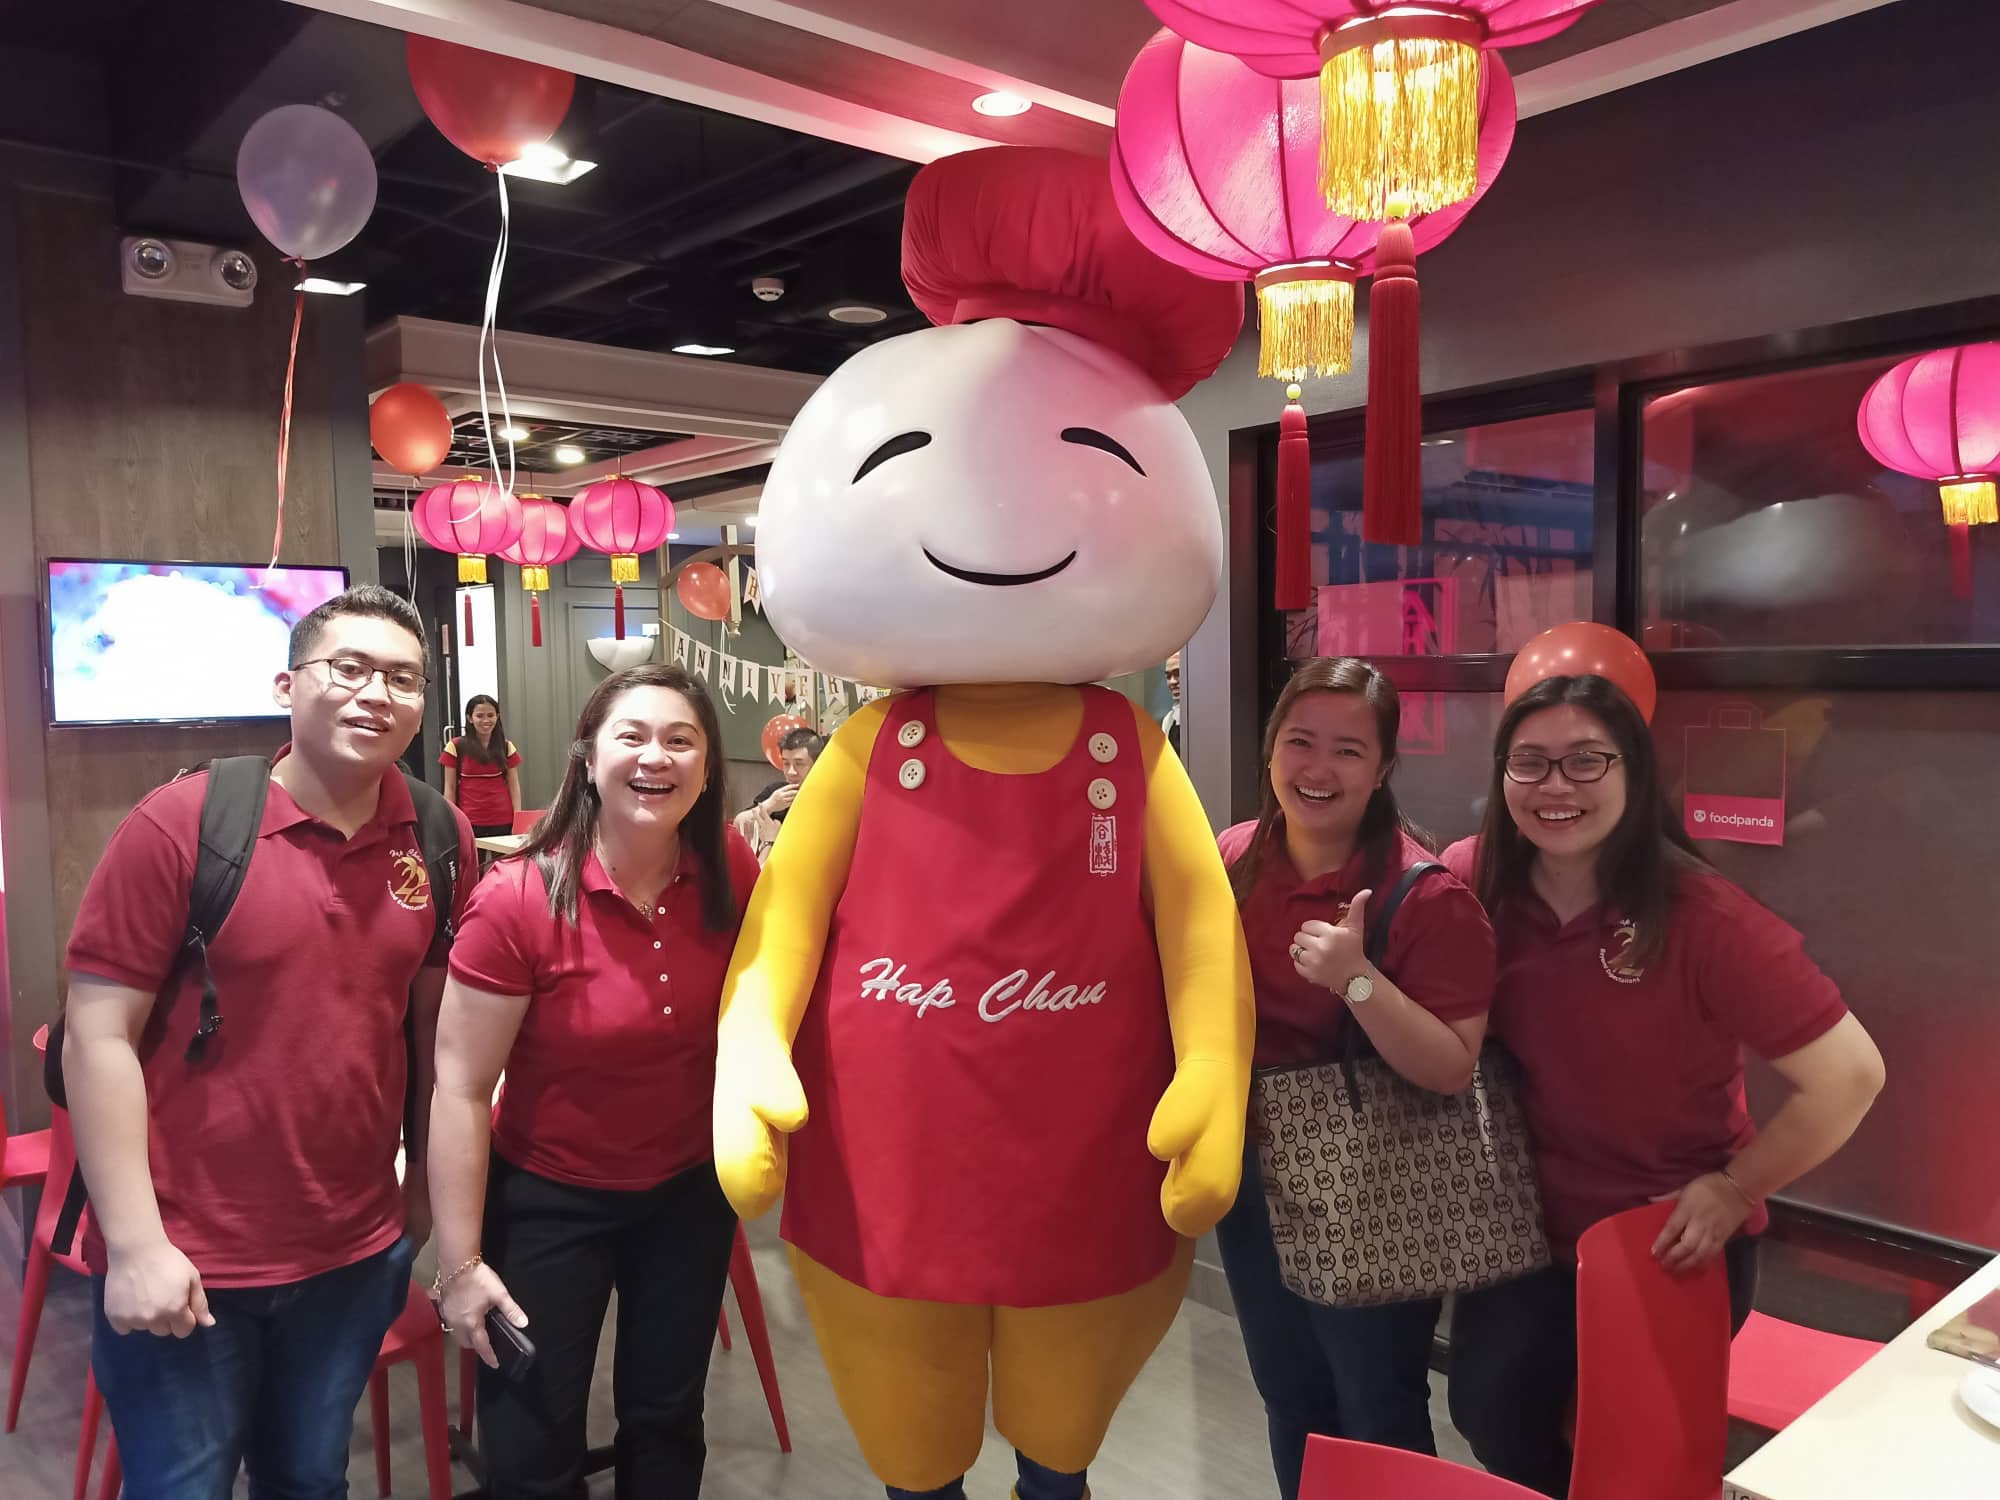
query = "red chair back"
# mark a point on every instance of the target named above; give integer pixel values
(1652, 1414)
(1337, 1469)
(525, 821)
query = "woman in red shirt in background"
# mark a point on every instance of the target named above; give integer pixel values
(482, 770)
(590, 967)
(1632, 976)
(1329, 842)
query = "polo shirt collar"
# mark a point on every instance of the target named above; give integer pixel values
(394, 806)
(595, 877)
(1279, 869)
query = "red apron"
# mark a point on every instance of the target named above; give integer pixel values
(988, 1037)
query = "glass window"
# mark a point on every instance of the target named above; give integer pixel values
(1765, 523)
(1506, 551)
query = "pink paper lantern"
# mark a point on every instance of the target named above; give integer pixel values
(623, 518)
(470, 517)
(547, 541)
(1937, 417)
(1400, 82)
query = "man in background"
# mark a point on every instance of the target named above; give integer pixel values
(1171, 721)
(760, 822)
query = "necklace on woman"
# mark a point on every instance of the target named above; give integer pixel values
(646, 906)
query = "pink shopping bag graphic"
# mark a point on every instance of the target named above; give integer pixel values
(1735, 779)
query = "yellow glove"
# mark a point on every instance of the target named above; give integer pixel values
(758, 1099)
(1198, 1127)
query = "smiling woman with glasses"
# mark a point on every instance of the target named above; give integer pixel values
(1631, 978)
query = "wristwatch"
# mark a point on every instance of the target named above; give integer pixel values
(1358, 990)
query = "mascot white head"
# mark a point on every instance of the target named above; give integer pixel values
(1011, 496)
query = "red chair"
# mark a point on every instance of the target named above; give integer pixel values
(414, 1337)
(1337, 1469)
(1652, 1367)
(524, 822)
(24, 1159)
(1778, 1369)
(749, 1303)
(57, 1162)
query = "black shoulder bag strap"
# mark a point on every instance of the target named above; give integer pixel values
(232, 810)
(1354, 1043)
(437, 832)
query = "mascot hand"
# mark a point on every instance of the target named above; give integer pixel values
(758, 1101)
(1198, 1132)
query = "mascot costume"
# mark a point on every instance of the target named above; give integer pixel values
(988, 1027)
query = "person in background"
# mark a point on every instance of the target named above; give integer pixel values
(760, 821)
(590, 969)
(1171, 722)
(1328, 841)
(1632, 976)
(482, 770)
(249, 1241)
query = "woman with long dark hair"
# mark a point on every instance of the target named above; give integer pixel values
(482, 770)
(589, 968)
(1329, 842)
(1632, 976)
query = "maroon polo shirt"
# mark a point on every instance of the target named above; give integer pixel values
(611, 1081)
(1439, 950)
(1635, 1078)
(274, 1158)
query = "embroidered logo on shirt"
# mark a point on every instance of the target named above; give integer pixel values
(1616, 967)
(410, 880)
(1103, 843)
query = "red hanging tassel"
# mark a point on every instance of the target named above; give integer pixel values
(468, 619)
(1961, 562)
(618, 609)
(535, 617)
(1392, 491)
(1293, 588)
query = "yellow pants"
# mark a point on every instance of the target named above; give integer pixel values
(912, 1376)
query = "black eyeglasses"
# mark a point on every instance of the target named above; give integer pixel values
(1530, 768)
(354, 674)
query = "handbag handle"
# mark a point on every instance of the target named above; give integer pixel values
(1354, 1041)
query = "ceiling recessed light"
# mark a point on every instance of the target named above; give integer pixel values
(1001, 102)
(549, 163)
(1439, 442)
(751, 519)
(513, 432)
(569, 453)
(856, 312)
(706, 350)
(673, 536)
(329, 288)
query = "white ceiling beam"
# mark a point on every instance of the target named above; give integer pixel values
(654, 67)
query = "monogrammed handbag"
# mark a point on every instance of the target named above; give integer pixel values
(1381, 1191)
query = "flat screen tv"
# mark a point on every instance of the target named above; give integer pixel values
(172, 643)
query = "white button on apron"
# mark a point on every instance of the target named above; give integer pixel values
(1102, 794)
(912, 773)
(1103, 749)
(911, 735)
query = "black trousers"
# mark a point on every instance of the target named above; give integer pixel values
(1513, 1367)
(562, 1250)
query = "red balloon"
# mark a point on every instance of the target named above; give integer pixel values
(704, 589)
(410, 428)
(1582, 648)
(780, 726)
(492, 108)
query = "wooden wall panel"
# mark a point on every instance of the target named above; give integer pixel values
(152, 430)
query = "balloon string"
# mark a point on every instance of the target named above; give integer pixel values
(489, 345)
(410, 538)
(285, 411)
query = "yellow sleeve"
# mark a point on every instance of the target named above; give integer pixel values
(1210, 1008)
(776, 962)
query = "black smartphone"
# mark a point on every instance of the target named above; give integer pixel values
(511, 1346)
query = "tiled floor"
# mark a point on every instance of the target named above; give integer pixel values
(1191, 1428)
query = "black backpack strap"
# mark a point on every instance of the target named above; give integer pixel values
(437, 832)
(1354, 1041)
(232, 810)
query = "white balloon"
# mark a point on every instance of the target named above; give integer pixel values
(1009, 543)
(308, 179)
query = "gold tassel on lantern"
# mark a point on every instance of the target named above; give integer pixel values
(624, 567)
(1305, 315)
(535, 580)
(1969, 502)
(471, 567)
(1399, 111)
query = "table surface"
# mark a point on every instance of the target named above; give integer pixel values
(1894, 1428)
(501, 843)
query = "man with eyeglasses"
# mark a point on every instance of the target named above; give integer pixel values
(250, 1243)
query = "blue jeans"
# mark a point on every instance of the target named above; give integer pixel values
(1036, 1483)
(271, 1387)
(1361, 1373)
